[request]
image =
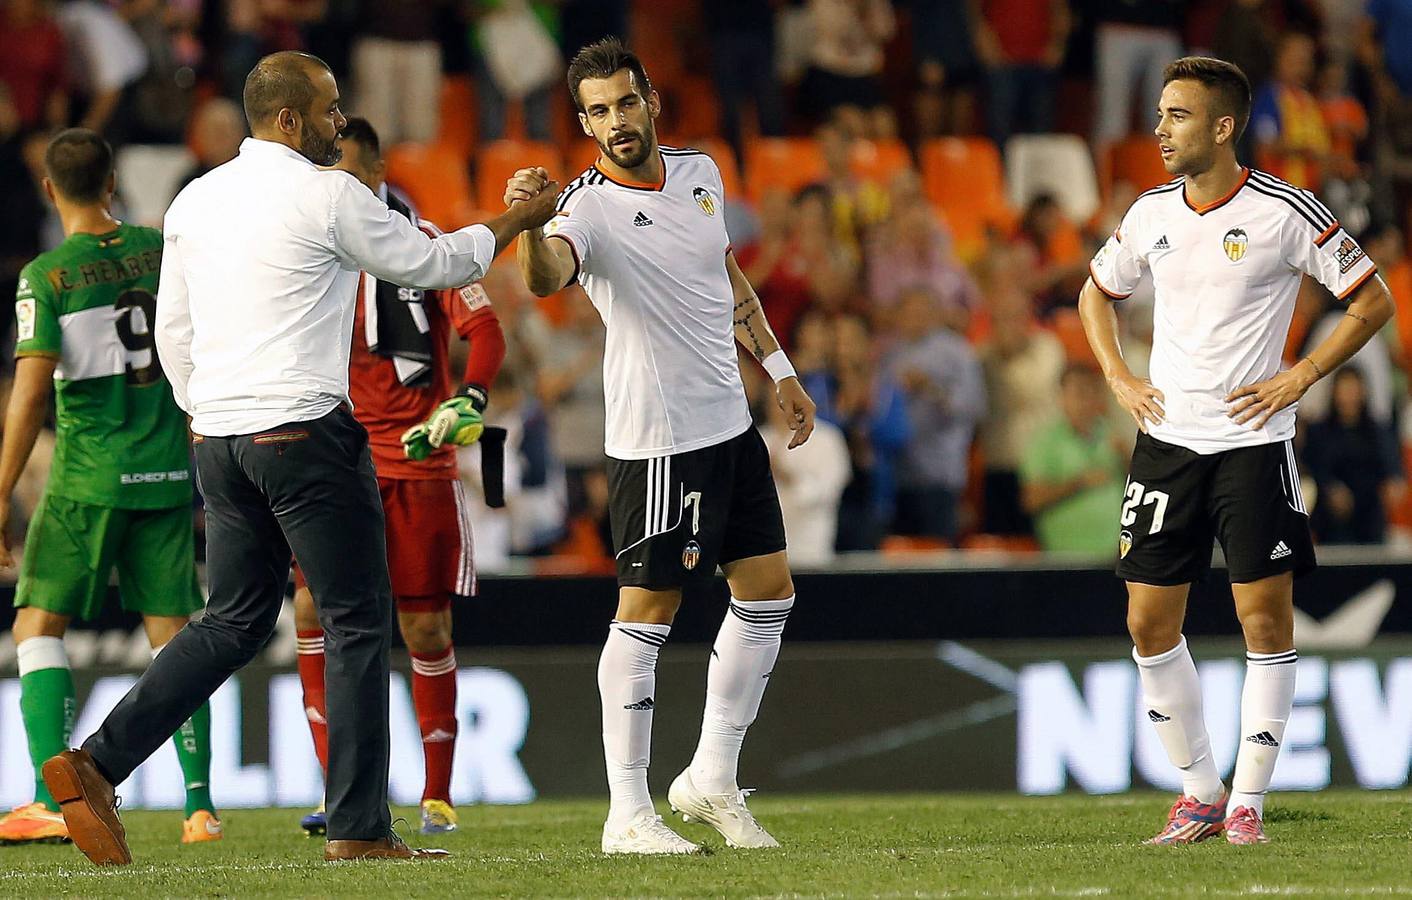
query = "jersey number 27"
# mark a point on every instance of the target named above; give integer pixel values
(1138, 495)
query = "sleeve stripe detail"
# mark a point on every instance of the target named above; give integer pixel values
(578, 264)
(569, 191)
(1320, 210)
(1093, 276)
(1323, 239)
(1358, 284)
(1316, 210)
(1313, 223)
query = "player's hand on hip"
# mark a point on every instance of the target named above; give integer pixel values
(798, 410)
(525, 183)
(1141, 400)
(7, 561)
(1255, 403)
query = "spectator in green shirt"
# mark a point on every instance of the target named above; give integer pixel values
(1071, 472)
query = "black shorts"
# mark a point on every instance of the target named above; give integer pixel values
(1179, 501)
(675, 518)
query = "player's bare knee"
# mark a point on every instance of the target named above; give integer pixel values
(1153, 632)
(648, 606)
(33, 622)
(306, 614)
(1267, 631)
(424, 632)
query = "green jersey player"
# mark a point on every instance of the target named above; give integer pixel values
(119, 489)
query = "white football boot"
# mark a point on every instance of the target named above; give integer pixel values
(726, 813)
(647, 835)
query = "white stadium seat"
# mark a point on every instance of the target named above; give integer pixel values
(149, 176)
(1058, 164)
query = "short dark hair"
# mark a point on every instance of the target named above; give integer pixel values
(361, 132)
(79, 164)
(1225, 80)
(602, 59)
(278, 81)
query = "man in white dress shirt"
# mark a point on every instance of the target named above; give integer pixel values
(253, 327)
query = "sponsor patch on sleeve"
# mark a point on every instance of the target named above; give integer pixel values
(475, 297)
(1349, 254)
(24, 319)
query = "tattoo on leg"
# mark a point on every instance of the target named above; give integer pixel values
(747, 320)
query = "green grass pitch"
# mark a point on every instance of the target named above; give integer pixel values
(1334, 844)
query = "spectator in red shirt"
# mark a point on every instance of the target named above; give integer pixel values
(1021, 44)
(32, 55)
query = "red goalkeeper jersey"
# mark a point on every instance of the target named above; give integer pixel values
(387, 408)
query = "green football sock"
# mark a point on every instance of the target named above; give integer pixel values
(193, 747)
(47, 704)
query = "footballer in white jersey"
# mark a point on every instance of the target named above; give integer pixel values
(1227, 247)
(690, 486)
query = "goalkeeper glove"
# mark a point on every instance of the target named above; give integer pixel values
(457, 421)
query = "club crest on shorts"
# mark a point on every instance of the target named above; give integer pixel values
(704, 200)
(691, 556)
(1125, 543)
(1235, 243)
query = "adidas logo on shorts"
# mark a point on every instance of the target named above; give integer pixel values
(1281, 551)
(1264, 738)
(1156, 716)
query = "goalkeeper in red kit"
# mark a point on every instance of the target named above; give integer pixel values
(402, 392)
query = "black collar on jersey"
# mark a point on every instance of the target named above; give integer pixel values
(1217, 204)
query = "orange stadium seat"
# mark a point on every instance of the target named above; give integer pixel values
(498, 160)
(1069, 328)
(879, 160)
(787, 163)
(457, 129)
(1136, 161)
(962, 177)
(580, 153)
(434, 177)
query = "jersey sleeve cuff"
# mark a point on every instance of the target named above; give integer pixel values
(46, 354)
(578, 263)
(1093, 276)
(1362, 280)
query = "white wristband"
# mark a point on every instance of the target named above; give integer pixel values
(779, 366)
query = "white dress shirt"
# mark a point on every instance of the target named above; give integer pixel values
(259, 279)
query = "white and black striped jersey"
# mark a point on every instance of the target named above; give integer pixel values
(652, 259)
(1226, 276)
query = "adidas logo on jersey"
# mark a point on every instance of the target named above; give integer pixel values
(1264, 738)
(1281, 551)
(1156, 716)
(1162, 244)
(641, 220)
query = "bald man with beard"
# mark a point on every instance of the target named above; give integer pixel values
(253, 327)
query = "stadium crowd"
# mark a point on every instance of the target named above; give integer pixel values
(914, 188)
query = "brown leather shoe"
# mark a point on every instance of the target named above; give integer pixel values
(390, 847)
(89, 806)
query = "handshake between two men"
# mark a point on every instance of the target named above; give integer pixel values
(530, 198)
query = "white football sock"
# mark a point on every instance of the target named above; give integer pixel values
(627, 683)
(1171, 694)
(741, 662)
(1265, 704)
